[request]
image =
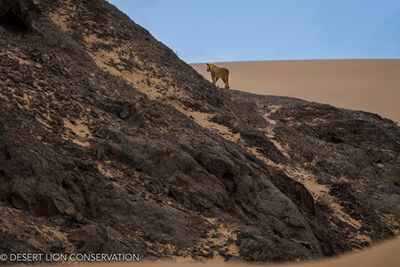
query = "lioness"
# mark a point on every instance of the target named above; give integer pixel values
(217, 72)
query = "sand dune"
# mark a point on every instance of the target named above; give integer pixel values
(368, 85)
(385, 254)
(382, 255)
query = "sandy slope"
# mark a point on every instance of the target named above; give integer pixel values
(368, 85)
(383, 255)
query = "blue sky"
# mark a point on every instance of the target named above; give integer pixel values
(241, 30)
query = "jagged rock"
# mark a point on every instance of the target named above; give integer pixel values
(18, 13)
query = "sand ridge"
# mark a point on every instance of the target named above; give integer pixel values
(368, 85)
(383, 255)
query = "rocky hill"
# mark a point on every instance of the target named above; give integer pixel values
(110, 143)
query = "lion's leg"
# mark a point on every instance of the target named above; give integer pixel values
(226, 82)
(214, 79)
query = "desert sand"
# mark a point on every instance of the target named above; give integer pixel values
(382, 255)
(368, 85)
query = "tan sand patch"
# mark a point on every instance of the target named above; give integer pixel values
(44, 123)
(61, 18)
(78, 128)
(81, 132)
(101, 58)
(202, 119)
(20, 60)
(270, 130)
(101, 169)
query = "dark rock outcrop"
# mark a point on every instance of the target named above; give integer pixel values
(18, 14)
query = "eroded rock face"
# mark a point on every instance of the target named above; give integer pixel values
(110, 143)
(18, 14)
